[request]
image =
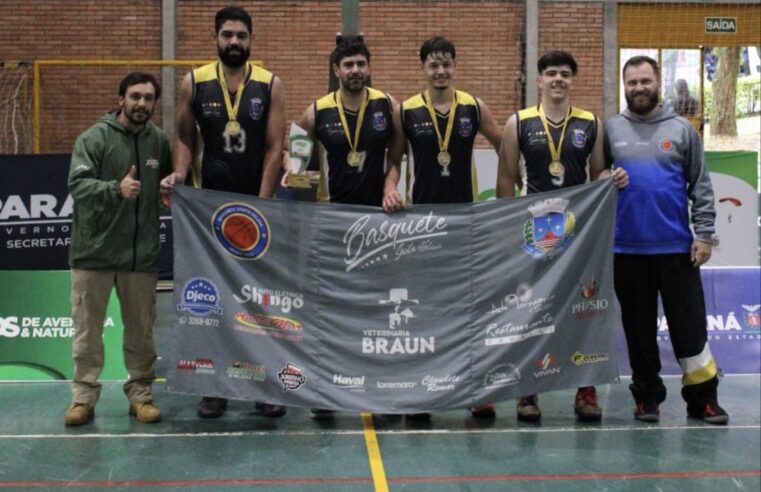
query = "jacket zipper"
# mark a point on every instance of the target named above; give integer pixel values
(137, 204)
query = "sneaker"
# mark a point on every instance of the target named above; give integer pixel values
(418, 417)
(211, 408)
(527, 409)
(710, 412)
(145, 411)
(269, 410)
(79, 414)
(488, 411)
(647, 411)
(322, 414)
(585, 406)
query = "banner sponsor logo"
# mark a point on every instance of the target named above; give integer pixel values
(547, 366)
(728, 325)
(390, 239)
(394, 385)
(589, 307)
(36, 221)
(241, 230)
(198, 366)
(275, 326)
(38, 206)
(752, 316)
(200, 296)
(41, 327)
(578, 358)
(247, 371)
(522, 299)
(440, 383)
(504, 334)
(291, 377)
(397, 339)
(502, 375)
(284, 301)
(551, 230)
(9, 327)
(356, 383)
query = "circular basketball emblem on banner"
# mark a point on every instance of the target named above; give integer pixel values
(241, 230)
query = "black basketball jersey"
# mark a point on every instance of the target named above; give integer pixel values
(580, 136)
(340, 182)
(232, 162)
(427, 181)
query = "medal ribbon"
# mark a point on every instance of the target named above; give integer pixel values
(554, 151)
(360, 118)
(232, 108)
(443, 143)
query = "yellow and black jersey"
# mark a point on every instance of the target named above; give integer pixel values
(232, 162)
(427, 181)
(580, 136)
(340, 182)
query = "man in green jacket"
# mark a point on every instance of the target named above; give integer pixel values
(114, 179)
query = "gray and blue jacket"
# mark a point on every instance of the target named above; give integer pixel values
(663, 155)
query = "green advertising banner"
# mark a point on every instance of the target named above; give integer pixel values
(735, 184)
(36, 328)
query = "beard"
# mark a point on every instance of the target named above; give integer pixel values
(642, 107)
(231, 59)
(354, 84)
(137, 117)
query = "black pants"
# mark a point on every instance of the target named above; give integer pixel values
(638, 281)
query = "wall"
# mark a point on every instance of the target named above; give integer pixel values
(293, 39)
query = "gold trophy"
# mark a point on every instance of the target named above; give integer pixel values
(300, 148)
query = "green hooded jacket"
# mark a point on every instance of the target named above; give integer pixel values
(109, 232)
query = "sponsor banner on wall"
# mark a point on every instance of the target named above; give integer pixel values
(36, 328)
(347, 307)
(735, 180)
(35, 215)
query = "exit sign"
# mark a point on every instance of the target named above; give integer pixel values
(721, 24)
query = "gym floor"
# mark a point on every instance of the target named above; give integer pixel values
(454, 452)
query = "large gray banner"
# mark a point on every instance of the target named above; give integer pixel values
(348, 308)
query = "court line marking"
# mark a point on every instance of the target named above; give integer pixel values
(390, 432)
(374, 454)
(362, 480)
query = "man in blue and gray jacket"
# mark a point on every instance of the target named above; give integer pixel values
(655, 251)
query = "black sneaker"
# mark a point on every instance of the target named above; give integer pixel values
(269, 410)
(211, 408)
(527, 409)
(322, 414)
(647, 411)
(710, 412)
(488, 411)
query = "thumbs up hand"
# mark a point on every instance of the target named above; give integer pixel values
(129, 186)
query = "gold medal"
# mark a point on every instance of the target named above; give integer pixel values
(444, 158)
(556, 168)
(232, 128)
(353, 158)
